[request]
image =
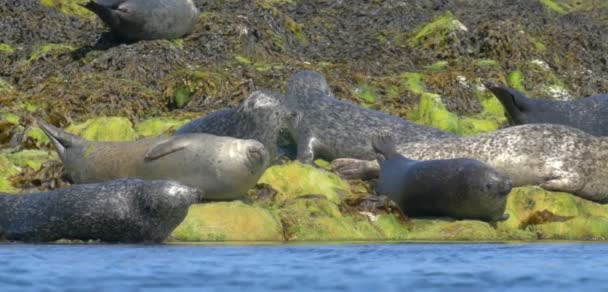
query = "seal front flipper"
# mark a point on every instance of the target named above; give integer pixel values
(106, 10)
(514, 102)
(166, 147)
(61, 139)
(384, 144)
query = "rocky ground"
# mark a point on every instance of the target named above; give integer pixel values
(423, 60)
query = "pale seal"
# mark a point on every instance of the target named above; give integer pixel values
(134, 20)
(459, 188)
(328, 128)
(223, 168)
(127, 210)
(555, 157)
(588, 114)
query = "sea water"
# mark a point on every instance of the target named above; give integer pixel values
(335, 267)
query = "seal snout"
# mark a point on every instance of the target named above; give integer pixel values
(256, 154)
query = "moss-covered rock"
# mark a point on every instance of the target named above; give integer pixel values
(158, 126)
(295, 179)
(69, 7)
(33, 159)
(442, 230)
(104, 129)
(228, 221)
(7, 169)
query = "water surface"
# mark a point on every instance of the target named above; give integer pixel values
(364, 267)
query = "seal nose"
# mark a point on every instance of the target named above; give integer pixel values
(506, 187)
(257, 153)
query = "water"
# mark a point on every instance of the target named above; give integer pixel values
(364, 267)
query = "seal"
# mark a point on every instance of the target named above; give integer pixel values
(134, 20)
(460, 188)
(328, 128)
(260, 117)
(305, 83)
(555, 157)
(127, 210)
(224, 168)
(587, 114)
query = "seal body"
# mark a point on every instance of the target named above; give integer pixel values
(460, 188)
(587, 114)
(260, 117)
(328, 128)
(555, 157)
(128, 210)
(134, 20)
(222, 167)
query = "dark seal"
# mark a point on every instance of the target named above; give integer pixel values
(328, 128)
(587, 114)
(259, 117)
(128, 210)
(554, 157)
(459, 188)
(134, 20)
(224, 168)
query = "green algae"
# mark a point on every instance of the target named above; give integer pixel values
(295, 179)
(515, 80)
(228, 221)
(366, 93)
(439, 65)
(553, 6)
(38, 136)
(7, 169)
(158, 126)
(6, 48)
(463, 230)
(49, 49)
(31, 158)
(69, 7)
(104, 129)
(10, 118)
(436, 30)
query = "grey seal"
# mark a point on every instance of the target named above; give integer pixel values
(260, 117)
(134, 20)
(223, 168)
(328, 128)
(587, 114)
(127, 210)
(555, 157)
(459, 188)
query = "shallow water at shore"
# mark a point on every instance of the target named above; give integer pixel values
(383, 267)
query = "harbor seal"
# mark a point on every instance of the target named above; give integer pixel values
(305, 83)
(126, 210)
(459, 188)
(134, 20)
(260, 117)
(328, 128)
(587, 114)
(224, 168)
(555, 157)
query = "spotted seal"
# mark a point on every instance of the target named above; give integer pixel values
(222, 167)
(328, 128)
(134, 20)
(587, 114)
(460, 188)
(260, 117)
(126, 210)
(555, 157)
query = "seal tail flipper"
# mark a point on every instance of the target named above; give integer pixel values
(384, 144)
(166, 147)
(107, 14)
(61, 139)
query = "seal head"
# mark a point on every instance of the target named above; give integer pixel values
(516, 104)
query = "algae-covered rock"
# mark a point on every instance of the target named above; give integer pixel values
(228, 221)
(37, 136)
(33, 159)
(435, 230)
(69, 7)
(104, 129)
(7, 169)
(158, 126)
(295, 179)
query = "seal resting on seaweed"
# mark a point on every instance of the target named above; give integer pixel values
(134, 20)
(460, 188)
(223, 168)
(127, 210)
(555, 157)
(328, 128)
(588, 114)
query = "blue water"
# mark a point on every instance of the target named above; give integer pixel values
(363, 267)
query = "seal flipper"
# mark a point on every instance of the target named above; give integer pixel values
(514, 102)
(107, 13)
(384, 144)
(165, 147)
(61, 139)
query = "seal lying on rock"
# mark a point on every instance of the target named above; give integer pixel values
(223, 168)
(135, 20)
(127, 210)
(328, 128)
(460, 188)
(588, 114)
(260, 117)
(306, 84)
(555, 157)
